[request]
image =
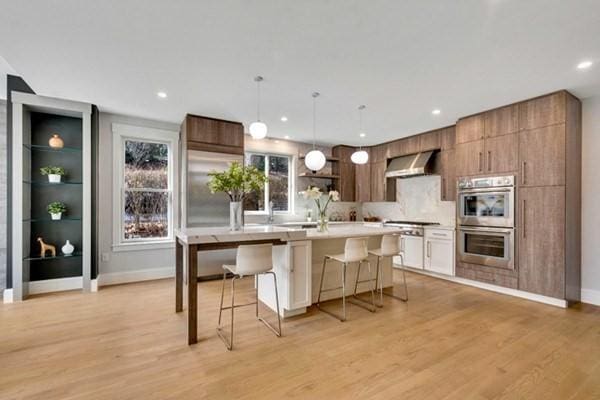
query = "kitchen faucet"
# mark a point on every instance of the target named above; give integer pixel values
(270, 218)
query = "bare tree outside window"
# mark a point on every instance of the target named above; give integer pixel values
(277, 168)
(146, 190)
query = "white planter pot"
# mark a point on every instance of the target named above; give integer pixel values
(53, 178)
(56, 216)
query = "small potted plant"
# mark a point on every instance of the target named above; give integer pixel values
(237, 182)
(56, 208)
(54, 173)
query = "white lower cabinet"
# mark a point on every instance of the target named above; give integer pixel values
(439, 251)
(412, 248)
(293, 267)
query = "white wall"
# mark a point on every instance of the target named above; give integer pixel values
(590, 213)
(121, 264)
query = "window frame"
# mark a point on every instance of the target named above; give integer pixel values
(122, 133)
(291, 182)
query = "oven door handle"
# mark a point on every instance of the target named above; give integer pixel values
(487, 230)
(487, 190)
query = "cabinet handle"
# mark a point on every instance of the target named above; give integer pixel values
(524, 172)
(489, 160)
(443, 188)
(524, 219)
(428, 249)
(480, 163)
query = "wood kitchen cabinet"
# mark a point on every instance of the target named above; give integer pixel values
(448, 175)
(501, 121)
(448, 138)
(429, 141)
(501, 154)
(542, 240)
(345, 169)
(542, 155)
(470, 129)
(363, 182)
(378, 181)
(469, 158)
(214, 135)
(544, 111)
(439, 251)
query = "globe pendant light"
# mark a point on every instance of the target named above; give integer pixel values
(360, 156)
(258, 129)
(315, 159)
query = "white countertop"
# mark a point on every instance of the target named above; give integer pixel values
(222, 234)
(355, 230)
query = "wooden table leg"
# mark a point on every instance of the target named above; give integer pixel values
(192, 274)
(178, 276)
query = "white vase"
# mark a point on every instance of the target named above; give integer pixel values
(56, 216)
(53, 178)
(235, 215)
(68, 248)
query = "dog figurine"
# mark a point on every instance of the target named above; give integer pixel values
(46, 247)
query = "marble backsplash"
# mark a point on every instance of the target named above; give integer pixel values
(417, 199)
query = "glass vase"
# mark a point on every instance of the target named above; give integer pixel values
(235, 215)
(322, 223)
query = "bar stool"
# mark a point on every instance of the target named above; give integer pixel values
(355, 250)
(250, 260)
(389, 248)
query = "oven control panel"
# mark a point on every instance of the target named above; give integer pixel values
(488, 182)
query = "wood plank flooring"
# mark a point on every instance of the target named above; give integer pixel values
(448, 342)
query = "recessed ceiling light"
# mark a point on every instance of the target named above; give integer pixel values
(162, 95)
(283, 118)
(436, 112)
(286, 137)
(584, 64)
(362, 135)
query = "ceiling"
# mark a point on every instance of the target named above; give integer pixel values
(401, 58)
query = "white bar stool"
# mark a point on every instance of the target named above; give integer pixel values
(250, 260)
(390, 247)
(355, 250)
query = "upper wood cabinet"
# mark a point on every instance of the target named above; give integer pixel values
(429, 141)
(448, 175)
(501, 121)
(210, 134)
(363, 183)
(470, 129)
(448, 138)
(543, 111)
(501, 154)
(542, 240)
(542, 155)
(378, 153)
(378, 187)
(345, 169)
(469, 158)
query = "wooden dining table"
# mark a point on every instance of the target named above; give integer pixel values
(190, 241)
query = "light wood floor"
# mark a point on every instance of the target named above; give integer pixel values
(448, 342)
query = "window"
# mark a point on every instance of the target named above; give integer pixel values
(144, 184)
(279, 188)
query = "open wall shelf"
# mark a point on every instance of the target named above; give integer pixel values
(35, 120)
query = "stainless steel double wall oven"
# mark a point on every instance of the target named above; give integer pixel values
(486, 219)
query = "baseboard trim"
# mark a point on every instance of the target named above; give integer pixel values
(117, 278)
(498, 289)
(590, 296)
(7, 296)
(55, 285)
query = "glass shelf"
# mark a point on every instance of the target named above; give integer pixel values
(47, 258)
(51, 149)
(47, 183)
(52, 220)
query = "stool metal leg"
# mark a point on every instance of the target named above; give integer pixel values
(222, 294)
(321, 283)
(268, 325)
(405, 298)
(379, 282)
(358, 301)
(229, 342)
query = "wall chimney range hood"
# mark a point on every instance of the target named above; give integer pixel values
(410, 165)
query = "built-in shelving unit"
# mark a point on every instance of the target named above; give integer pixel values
(35, 120)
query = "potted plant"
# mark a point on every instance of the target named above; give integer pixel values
(54, 173)
(56, 208)
(314, 193)
(237, 181)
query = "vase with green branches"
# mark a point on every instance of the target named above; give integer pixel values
(53, 173)
(237, 181)
(322, 201)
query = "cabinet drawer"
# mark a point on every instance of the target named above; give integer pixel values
(439, 234)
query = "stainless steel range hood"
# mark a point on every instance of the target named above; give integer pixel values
(411, 165)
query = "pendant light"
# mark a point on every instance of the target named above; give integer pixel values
(315, 159)
(258, 129)
(360, 156)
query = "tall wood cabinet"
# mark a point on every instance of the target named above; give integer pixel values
(549, 196)
(214, 135)
(345, 169)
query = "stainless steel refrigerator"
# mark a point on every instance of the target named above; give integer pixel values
(200, 207)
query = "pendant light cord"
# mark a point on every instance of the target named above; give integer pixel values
(315, 95)
(258, 80)
(360, 119)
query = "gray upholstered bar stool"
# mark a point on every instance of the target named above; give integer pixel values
(251, 260)
(390, 247)
(355, 251)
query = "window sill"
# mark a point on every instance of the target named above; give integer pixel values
(139, 246)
